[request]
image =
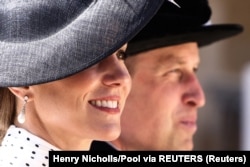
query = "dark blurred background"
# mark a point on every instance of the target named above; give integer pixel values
(221, 122)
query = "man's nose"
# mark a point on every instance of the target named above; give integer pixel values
(194, 95)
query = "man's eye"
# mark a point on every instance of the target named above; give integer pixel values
(175, 71)
(122, 55)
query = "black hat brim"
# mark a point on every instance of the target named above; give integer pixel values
(203, 35)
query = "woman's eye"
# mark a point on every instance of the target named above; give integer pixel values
(122, 55)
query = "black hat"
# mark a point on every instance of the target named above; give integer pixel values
(181, 21)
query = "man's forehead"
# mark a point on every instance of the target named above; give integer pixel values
(180, 54)
(176, 56)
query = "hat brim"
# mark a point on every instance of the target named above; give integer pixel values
(203, 35)
(97, 30)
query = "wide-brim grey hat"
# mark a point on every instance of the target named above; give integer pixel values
(178, 22)
(45, 40)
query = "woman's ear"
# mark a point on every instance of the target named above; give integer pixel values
(20, 92)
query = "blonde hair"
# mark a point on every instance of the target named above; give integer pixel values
(7, 110)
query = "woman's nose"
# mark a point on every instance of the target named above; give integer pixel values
(116, 72)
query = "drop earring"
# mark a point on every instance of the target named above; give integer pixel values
(21, 115)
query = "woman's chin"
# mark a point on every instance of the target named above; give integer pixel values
(110, 135)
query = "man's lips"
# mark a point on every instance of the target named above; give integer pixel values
(189, 124)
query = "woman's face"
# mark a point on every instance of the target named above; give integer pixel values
(86, 105)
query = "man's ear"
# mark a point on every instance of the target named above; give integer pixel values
(20, 92)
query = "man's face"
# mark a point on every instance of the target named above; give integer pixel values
(161, 110)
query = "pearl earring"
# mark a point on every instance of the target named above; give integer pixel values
(21, 115)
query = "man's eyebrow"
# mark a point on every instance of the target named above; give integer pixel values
(171, 59)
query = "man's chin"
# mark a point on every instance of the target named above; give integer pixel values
(186, 145)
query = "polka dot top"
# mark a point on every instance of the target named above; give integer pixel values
(20, 148)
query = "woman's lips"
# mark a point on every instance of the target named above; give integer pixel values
(110, 105)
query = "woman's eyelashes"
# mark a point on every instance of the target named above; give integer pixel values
(121, 54)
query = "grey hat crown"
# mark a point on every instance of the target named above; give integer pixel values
(47, 40)
(25, 20)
